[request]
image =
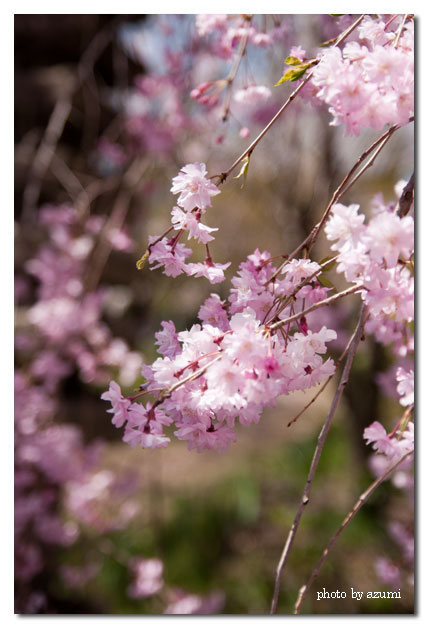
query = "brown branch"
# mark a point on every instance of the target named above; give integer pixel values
(96, 188)
(357, 506)
(317, 454)
(167, 393)
(297, 289)
(406, 199)
(66, 178)
(367, 165)
(328, 301)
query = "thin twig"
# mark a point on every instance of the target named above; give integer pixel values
(43, 156)
(233, 72)
(302, 284)
(400, 30)
(94, 189)
(131, 180)
(317, 454)
(248, 151)
(56, 124)
(367, 165)
(66, 177)
(358, 504)
(85, 72)
(328, 301)
(167, 393)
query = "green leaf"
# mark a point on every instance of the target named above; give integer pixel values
(293, 61)
(140, 263)
(328, 266)
(244, 170)
(293, 75)
(326, 282)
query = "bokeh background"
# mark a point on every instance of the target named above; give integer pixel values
(103, 121)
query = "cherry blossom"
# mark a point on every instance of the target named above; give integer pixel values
(193, 187)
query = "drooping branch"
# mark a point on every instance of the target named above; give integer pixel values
(316, 457)
(346, 183)
(357, 506)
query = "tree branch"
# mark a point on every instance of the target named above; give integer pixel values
(328, 301)
(358, 504)
(406, 199)
(317, 454)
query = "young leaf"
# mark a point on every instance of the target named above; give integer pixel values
(140, 263)
(244, 170)
(328, 266)
(293, 75)
(293, 61)
(326, 282)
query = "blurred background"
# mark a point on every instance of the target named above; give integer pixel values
(103, 121)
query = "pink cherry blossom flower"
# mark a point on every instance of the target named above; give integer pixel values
(167, 340)
(344, 225)
(191, 222)
(388, 236)
(208, 23)
(388, 572)
(405, 387)
(119, 404)
(193, 187)
(214, 272)
(172, 259)
(213, 312)
(252, 95)
(184, 603)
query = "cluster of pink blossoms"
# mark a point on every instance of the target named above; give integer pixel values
(378, 256)
(67, 316)
(230, 367)
(59, 332)
(401, 439)
(195, 191)
(370, 82)
(389, 448)
(226, 31)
